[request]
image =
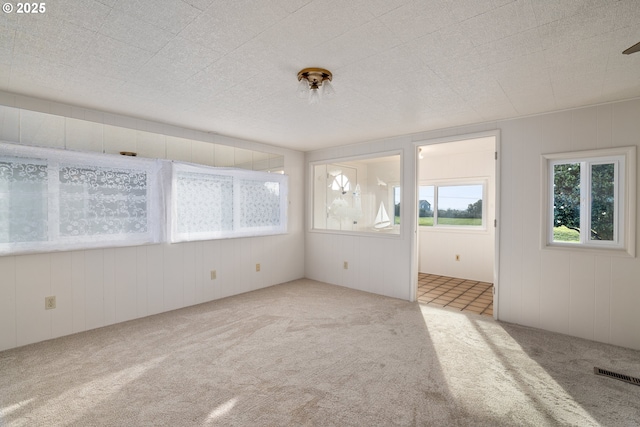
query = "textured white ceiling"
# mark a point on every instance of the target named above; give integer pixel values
(400, 66)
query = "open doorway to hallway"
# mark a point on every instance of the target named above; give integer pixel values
(456, 223)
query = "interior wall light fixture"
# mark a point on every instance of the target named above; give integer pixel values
(314, 83)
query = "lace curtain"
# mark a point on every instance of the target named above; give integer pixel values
(23, 200)
(259, 203)
(209, 203)
(95, 201)
(62, 200)
(204, 204)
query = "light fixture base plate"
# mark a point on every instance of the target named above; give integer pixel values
(313, 74)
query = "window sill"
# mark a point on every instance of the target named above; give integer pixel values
(453, 229)
(390, 234)
(616, 252)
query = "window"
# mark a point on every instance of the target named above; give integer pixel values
(589, 203)
(62, 200)
(452, 205)
(210, 203)
(341, 183)
(357, 195)
(203, 205)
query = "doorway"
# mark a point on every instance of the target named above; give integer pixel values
(456, 231)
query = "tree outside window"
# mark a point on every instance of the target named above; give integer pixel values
(584, 201)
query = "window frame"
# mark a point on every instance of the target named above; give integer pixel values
(394, 232)
(55, 159)
(237, 230)
(624, 159)
(482, 181)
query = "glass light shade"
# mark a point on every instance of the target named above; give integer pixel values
(303, 88)
(314, 96)
(327, 88)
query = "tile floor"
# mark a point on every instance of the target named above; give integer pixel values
(464, 295)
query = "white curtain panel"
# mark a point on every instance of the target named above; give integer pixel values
(203, 205)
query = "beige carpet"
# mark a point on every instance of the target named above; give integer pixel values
(311, 354)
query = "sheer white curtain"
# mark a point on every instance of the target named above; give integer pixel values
(61, 200)
(212, 203)
(203, 205)
(23, 199)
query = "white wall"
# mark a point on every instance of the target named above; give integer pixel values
(581, 294)
(94, 288)
(438, 246)
(586, 295)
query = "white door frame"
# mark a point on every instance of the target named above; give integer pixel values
(414, 238)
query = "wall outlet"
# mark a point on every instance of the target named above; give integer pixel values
(258, 267)
(213, 275)
(49, 303)
(457, 257)
(345, 265)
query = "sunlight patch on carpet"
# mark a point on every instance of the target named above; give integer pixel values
(481, 351)
(72, 403)
(11, 408)
(221, 410)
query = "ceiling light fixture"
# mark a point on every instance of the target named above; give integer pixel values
(314, 84)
